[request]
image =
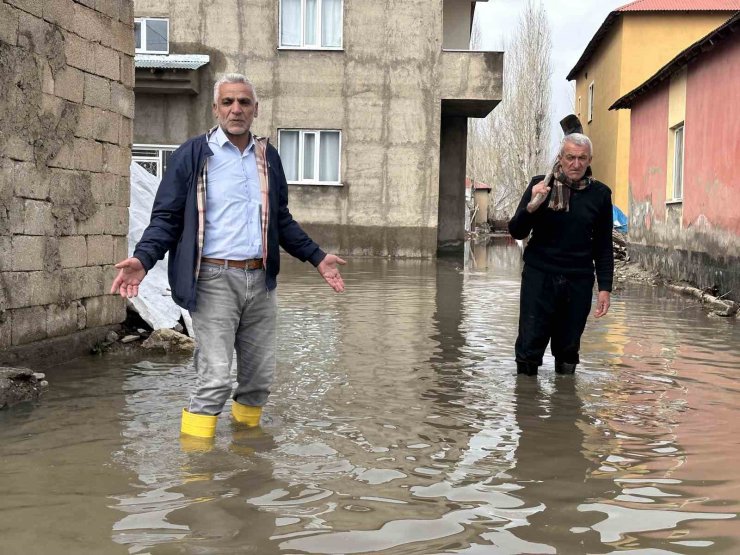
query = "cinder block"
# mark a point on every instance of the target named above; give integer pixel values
(89, 23)
(38, 218)
(127, 69)
(88, 155)
(29, 325)
(17, 148)
(122, 37)
(102, 311)
(97, 91)
(47, 81)
(94, 224)
(5, 253)
(120, 248)
(29, 182)
(111, 8)
(103, 187)
(97, 124)
(6, 327)
(99, 250)
(116, 159)
(34, 7)
(78, 283)
(122, 100)
(77, 52)
(107, 63)
(9, 24)
(81, 316)
(126, 133)
(123, 192)
(73, 251)
(28, 253)
(116, 220)
(69, 84)
(61, 13)
(61, 319)
(32, 32)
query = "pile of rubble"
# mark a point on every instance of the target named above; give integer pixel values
(20, 384)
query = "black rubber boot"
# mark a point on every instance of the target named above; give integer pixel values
(526, 368)
(565, 367)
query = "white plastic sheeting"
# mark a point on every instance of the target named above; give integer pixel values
(154, 303)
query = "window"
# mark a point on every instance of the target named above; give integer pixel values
(678, 162)
(153, 158)
(152, 35)
(310, 156)
(591, 102)
(311, 23)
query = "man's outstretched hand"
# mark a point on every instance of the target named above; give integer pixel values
(129, 277)
(329, 271)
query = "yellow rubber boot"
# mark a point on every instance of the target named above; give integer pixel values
(244, 414)
(198, 425)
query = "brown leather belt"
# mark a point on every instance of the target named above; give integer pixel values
(249, 264)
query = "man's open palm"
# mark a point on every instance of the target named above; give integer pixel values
(131, 273)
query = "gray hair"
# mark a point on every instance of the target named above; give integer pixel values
(577, 139)
(232, 78)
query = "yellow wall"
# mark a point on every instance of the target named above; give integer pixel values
(637, 46)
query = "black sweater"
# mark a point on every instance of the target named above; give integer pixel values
(576, 242)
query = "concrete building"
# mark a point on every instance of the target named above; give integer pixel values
(631, 45)
(66, 121)
(367, 102)
(684, 152)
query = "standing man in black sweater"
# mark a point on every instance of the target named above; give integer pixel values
(570, 217)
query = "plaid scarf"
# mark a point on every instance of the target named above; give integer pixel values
(260, 154)
(561, 187)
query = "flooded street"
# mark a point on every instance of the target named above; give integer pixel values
(397, 425)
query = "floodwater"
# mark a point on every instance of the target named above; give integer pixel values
(397, 426)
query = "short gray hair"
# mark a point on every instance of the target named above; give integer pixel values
(577, 139)
(232, 78)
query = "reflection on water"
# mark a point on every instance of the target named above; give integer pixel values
(398, 425)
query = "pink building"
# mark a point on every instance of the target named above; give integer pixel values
(684, 188)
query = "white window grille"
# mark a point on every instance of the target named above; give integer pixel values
(311, 156)
(153, 158)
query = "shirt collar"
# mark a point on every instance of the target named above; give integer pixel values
(220, 138)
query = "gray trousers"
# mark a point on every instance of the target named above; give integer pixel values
(235, 311)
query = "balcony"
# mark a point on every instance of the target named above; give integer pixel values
(471, 83)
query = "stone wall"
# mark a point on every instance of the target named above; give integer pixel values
(66, 122)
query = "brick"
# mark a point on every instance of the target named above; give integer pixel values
(6, 327)
(103, 188)
(77, 53)
(37, 217)
(126, 133)
(79, 283)
(120, 248)
(62, 158)
(17, 213)
(123, 192)
(69, 84)
(34, 7)
(32, 33)
(126, 11)
(107, 62)
(102, 311)
(28, 253)
(127, 70)
(116, 159)
(73, 251)
(29, 325)
(5, 253)
(30, 182)
(8, 24)
(88, 155)
(60, 12)
(97, 91)
(100, 250)
(61, 319)
(116, 220)
(95, 224)
(88, 23)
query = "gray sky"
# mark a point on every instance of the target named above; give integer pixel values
(572, 24)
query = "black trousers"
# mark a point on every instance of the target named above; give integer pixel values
(552, 308)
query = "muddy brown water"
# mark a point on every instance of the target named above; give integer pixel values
(397, 426)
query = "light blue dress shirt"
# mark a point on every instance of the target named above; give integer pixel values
(233, 229)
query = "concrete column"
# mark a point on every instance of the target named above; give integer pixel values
(451, 213)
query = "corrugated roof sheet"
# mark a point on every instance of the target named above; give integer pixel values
(171, 61)
(705, 44)
(649, 6)
(680, 5)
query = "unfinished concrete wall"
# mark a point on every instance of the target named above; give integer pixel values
(383, 90)
(66, 111)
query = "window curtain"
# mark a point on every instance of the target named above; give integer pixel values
(309, 156)
(331, 23)
(309, 32)
(289, 154)
(290, 22)
(329, 156)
